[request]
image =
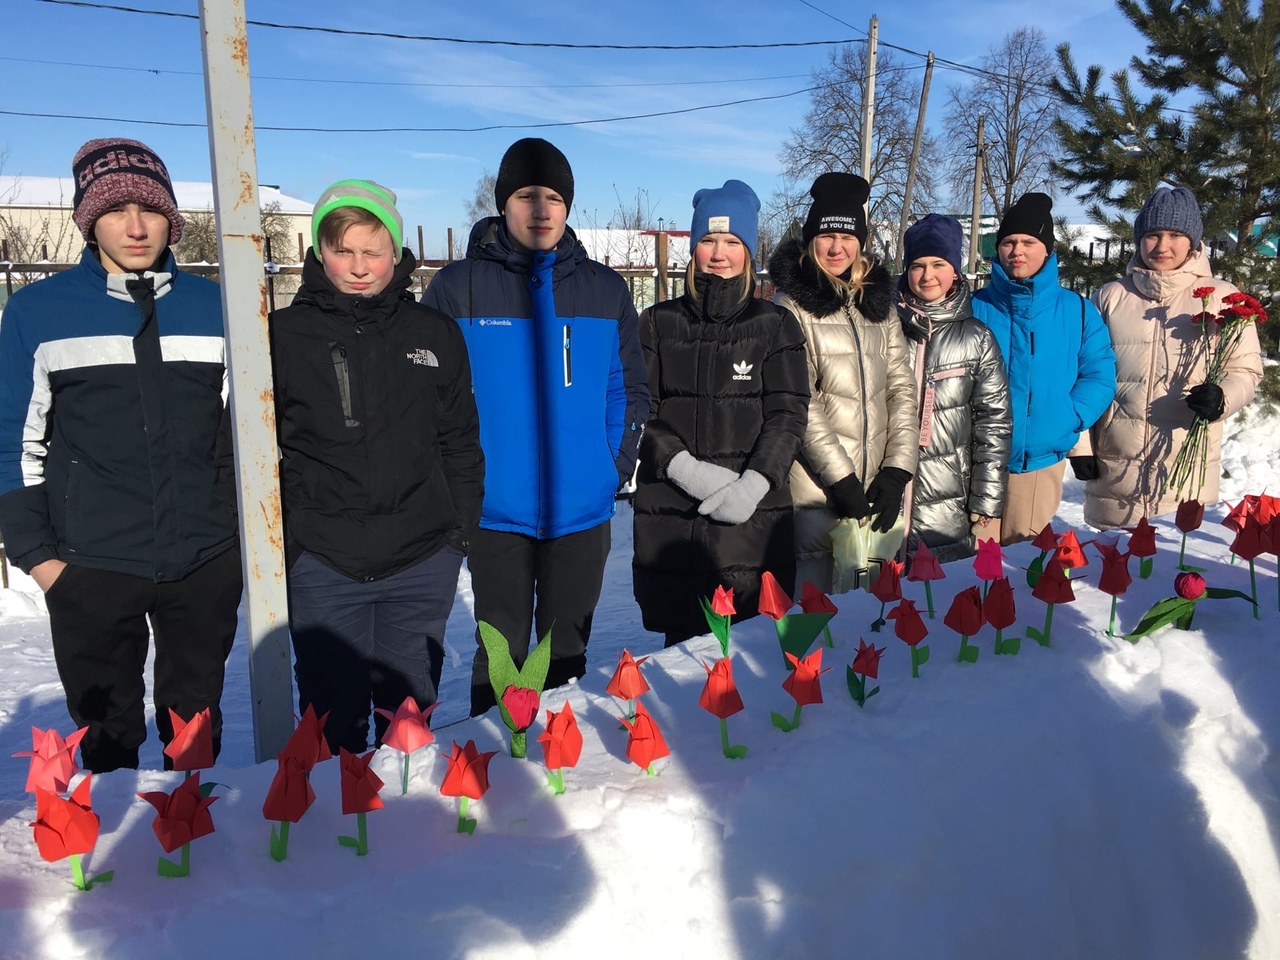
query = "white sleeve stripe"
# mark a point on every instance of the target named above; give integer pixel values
(34, 447)
(74, 353)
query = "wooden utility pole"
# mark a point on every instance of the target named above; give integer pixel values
(869, 100)
(660, 262)
(233, 153)
(915, 159)
(975, 223)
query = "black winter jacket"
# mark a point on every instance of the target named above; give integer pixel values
(728, 383)
(379, 437)
(966, 423)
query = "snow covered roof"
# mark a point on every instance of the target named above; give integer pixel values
(22, 191)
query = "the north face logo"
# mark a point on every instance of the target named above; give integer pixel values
(423, 358)
(742, 370)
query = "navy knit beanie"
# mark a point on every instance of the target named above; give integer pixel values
(1170, 209)
(733, 208)
(934, 236)
(533, 162)
(839, 206)
(1031, 214)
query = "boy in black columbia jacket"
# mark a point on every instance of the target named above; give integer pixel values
(381, 468)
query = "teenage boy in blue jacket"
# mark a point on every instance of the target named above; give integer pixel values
(562, 393)
(116, 479)
(1062, 370)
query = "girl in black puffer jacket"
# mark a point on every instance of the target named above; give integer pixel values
(958, 492)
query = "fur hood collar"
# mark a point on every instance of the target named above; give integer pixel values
(805, 286)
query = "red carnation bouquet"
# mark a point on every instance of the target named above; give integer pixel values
(1186, 477)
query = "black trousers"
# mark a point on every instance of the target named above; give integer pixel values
(520, 582)
(98, 621)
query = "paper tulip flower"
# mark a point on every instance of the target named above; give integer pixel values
(307, 744)
(1069, 553)
(561, 745)
(1235, 517)
(1115, 579)
(925, 569)
(628, 683)
(719, 611)
(1189, 516)
(1142, 544)
(521, 705)
(804, 685)
(288, 798)
(774, 602)
(1053, 587)
(886, 587)
(68, 827)
(192, 745)
(815, 607)
(999, 610)
(720, 698)
(910, 629)
(53, 760)
(504, 674)
(866, 663)
(965, 618)
(407, 732)
(467, 778)
(645, 743)
(1190, 590)
(989, 563)
(181, 816)
(813, 600)
(1046, 540)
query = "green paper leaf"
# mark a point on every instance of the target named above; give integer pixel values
(1219, 593)
(781, 722)
(104, 877)
(1009, 646)
(207, 788)
(503, 672)
(736, 752)
(1037, 636)
(1145, 566)
(872, 692)
(467, 826)
(921, 654)
(167, 868)
(797, 631)
(1162, 614)
(1188, 568)
(856, 683)
(877, 624)
(1034, 570)
(349, 841)
(718, 625)
(969, 654)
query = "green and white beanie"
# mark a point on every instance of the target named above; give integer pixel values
(367, 195)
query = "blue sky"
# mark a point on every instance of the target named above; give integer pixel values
(669, 157)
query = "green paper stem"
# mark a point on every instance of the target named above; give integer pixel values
(1182, 551)
(1253, 588)
(986, 585)
(465, 824)
(1009, 646)
(404, 775)
(556, 779)
(360, 842)
(1111, 627)
(734, 752)
(1043, 639)
(167, 868)
(795, 719)
(649, 771)
(280, 842)
(77, 873)
(919, 655)
(519, 743)
(928, 596)
(968, 652)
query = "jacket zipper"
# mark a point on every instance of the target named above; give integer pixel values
(568, 355)
(338, 354)
(1026, 454)
(862, 385)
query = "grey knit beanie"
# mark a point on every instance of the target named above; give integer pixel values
(1170, 209)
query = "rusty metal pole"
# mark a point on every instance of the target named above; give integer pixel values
(232, 150)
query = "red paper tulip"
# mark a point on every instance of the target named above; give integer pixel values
(307, 744)
(1054, 586)
(522, 704)
(65, 827)
(645, 743)
(192, 745)
(1267, 508)
(1235, 517)
(722, 603)
(965, 615)
(181, 816)
(1190, 515)
(359, 784)
(924, 565)
(1189, 586)
(562, 740)
(1069, 553)
(1045, 540)
(989, 563)
(290, 794)
(804, 683)
(468, 772)
(1115, 579)
(1143, 541)
(1249, 543)
(887, 586)
(998, 608)
(813, 600)
(53, 760)
(774, 602)
(909, 628)
(720, 694)
(627, 683)
(407, 730)
(867, 660)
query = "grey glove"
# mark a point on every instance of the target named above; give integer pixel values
(736, 502)
(698, 478)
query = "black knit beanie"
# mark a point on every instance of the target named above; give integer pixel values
(1032, 214)
(533, 162)
(839, 206)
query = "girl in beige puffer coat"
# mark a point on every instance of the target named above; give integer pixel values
(1160, 370)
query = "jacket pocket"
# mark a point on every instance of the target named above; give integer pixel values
(342, 372)
(71, 506)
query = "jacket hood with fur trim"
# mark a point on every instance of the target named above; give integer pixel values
(803, 283)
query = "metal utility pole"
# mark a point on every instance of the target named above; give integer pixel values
(915, 159)
(233, 154)
(975, 226)
(869, 101)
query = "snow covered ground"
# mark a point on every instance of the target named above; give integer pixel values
(1095, 799)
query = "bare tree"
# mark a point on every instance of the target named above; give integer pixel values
(480, 205)
(1020, 106)
(35, 236)
(830, 138)
(199, 243)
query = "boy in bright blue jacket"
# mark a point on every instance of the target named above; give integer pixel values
(562, 392)
(1062, 370)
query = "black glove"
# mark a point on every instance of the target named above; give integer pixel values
(885, 496)
(847, 499)
(1085, 468)
(1206, 401)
